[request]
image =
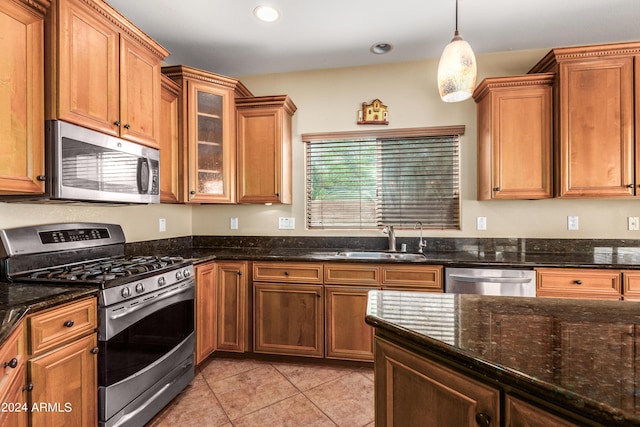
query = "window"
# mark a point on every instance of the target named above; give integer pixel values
(390, 177)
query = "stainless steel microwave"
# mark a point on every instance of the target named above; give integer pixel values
(85, 165)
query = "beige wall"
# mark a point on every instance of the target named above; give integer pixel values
(328, 100)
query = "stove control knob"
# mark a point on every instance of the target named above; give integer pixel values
(126, 292)
(139, 288)
(161, 281)
(186, 273)
(178, 275)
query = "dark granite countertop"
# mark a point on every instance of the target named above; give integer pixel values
(458, 252)
(16, 300)
(578, 355)
(629, 260)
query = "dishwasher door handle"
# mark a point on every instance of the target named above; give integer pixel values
(480, 279)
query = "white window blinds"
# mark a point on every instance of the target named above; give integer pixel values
(370, 181)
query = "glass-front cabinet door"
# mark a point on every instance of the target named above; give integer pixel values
(212, 150)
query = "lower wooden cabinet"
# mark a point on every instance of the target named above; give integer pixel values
(411, 390)
(288, 319)
(63, 365)
(65, 380)
(231, 306)
(205, 313)
(518, 413)
(13, 396)
(347, 336)
(221, 308)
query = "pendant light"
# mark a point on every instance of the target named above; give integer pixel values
(457, 69)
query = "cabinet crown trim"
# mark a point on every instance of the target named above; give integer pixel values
(537, 79)
(560, 54)
(40, 6)
(275, 101)
(175, 72)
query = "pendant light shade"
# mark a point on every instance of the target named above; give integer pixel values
(457, 69)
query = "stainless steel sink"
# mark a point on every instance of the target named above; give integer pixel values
(400, 256)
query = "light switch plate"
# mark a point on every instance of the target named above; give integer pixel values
(233, 223)
(285, 223)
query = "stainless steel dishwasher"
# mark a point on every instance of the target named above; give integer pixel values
(489, 281)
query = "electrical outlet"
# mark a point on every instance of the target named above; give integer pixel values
(572, 222)
(481, 223)
(233, 223)
(285, 223)
(633, 223)
(162, 225)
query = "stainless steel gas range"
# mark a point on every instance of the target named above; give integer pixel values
(146, 308)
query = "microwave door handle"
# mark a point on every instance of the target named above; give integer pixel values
(143, 175)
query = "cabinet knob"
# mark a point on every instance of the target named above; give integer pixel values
(68, 323)
(496, 188)
(317, 295)
(117, 123)
(192, 193)
(277, 194)
(127, 126)
(94, 350)
(630, 185)
(286, 273)
(239, 273)
(41, 178)
(11, 363)
(578, 282)
(483, 419)
(28, 387)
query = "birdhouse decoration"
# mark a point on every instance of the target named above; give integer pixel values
(375, 113)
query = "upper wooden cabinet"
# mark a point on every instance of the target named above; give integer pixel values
(102, 71)
(515, 137)
(596, 119)
(22, 95)
(169, 132)
(264, 149)
(207, 134)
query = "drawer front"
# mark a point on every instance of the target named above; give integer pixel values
(11, 358)
(357, 274)
(287, 272)
(408, 276)
(60, 325)
(631, 285)
(578, 283)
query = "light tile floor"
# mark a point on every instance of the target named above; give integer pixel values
(230, 392)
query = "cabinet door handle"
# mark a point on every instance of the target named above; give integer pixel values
(117, 123)
(28, 387)
(483, 419)
(127, 126)
(239, 273)
(496, 189)
(578, 282)
(68, 323)
(11, 363)
(317, 295)
(630, 185)
(286, 273)
(41, 178)
(94, 350)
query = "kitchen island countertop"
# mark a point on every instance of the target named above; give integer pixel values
(576, 355)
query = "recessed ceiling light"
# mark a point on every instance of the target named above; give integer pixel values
(381, 48)
(266, 13)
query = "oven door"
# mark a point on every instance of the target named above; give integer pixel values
(145, 344)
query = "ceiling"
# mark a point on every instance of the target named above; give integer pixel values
(225, 37)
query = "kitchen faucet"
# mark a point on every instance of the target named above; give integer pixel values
(421, 243)
(388, 229)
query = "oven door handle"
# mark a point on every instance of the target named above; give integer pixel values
(149, 302)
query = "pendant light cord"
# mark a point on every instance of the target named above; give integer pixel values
(457, 33)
